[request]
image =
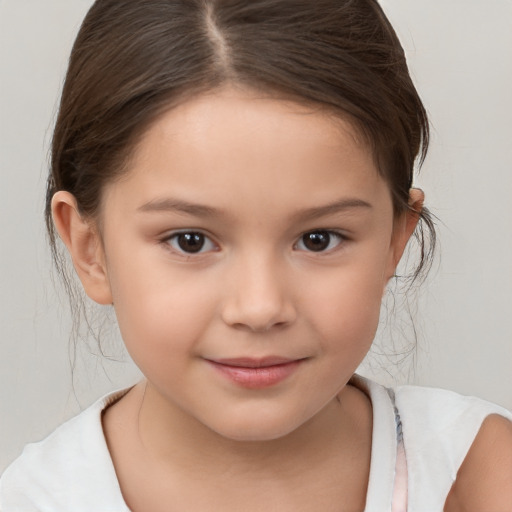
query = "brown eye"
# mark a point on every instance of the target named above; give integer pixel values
(190, 242)
(319, 241)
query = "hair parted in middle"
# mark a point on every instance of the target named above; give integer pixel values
(134, 60)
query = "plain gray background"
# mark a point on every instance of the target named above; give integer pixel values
(460, 54)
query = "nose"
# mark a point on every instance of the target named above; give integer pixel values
(258, 296)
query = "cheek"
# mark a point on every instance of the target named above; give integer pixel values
(161, 313)
(162, 333)
(347, 305)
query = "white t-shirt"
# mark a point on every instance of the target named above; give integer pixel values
(72, 471)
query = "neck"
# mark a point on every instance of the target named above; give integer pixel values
(171, 437)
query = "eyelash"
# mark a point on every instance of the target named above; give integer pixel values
(175, 237)
(203, 240)
(339, 238)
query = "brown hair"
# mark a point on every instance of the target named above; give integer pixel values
(134, 59)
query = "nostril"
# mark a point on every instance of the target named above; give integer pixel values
(259, 327)
(254, 319)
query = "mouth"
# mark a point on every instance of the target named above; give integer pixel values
(256, 373)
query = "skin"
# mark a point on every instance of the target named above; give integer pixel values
(484, 481)
(253, 175)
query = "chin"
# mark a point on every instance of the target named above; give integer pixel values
(258, 430)
(255, 435)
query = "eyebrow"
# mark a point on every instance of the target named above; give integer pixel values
(199, 210)
(174, 205)
(336, 207)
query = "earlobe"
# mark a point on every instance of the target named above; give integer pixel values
(84, 245)
(405, 226)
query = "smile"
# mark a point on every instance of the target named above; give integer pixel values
(256, 373)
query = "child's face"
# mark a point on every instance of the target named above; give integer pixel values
(244, 179)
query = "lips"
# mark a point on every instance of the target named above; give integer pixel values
(247, 362)
(256, 373)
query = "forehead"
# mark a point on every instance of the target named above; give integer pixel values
(244, 143)
(258, 113)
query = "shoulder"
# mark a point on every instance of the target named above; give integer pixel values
(440, 411)
(47, 472)
(484, 480)
(449, 439)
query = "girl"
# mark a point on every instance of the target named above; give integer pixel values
(236, 179)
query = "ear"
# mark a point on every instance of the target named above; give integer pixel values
(84, 245)
(404, 227)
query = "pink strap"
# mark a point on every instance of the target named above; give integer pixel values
(400, 489)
